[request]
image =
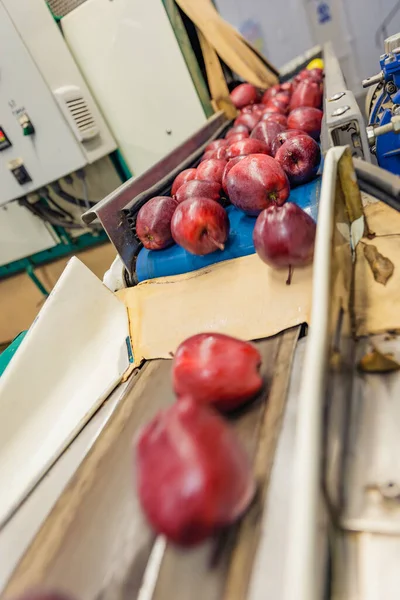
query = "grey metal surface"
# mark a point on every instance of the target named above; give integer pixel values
(372, 474)
(343, 123)
(110, 211)
(268, 573)
(367, 545)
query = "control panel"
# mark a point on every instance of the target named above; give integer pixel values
(37, 145)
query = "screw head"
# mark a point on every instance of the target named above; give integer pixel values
(340, 111)
(391, 88)
(336, 96)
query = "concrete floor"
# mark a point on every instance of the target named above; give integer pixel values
(20, 299)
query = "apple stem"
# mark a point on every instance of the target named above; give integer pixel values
(289, 279)
(171, 354)
(218, 244)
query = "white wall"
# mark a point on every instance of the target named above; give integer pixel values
(284, 24)
(288, 30)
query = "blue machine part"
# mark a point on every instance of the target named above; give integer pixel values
(388, 144)
(175, 260)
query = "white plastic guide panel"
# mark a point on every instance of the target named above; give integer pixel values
(71, 359)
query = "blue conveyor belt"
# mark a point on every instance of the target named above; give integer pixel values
(175, 260)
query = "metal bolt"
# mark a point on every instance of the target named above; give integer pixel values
(371, 136)
(340, 111)
(391, 88)
(390, 490)
(336, 96)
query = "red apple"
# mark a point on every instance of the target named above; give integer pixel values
(196, 188)
(193, 476)
(275, 117)
(248, 120)
(244, 94)
(275, 105)
(217, 369)
(235, 131)
(153, 223)
(229, 165)
(307, 119)
(219, 153)
(284, 236)
(211, 170)
(307, 93)
(256, 182)
(251, 108)
(266, 131)
(282, 97)
(303, 75)
(215, 145)
(299, 157)
(183, 177)
(282, 137)
(287, 87)
(248, 146)
(270, 93)
(316, 75)
(200, 225)
(237, 138)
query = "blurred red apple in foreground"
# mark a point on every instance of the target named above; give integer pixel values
(307, 93)
(248, 146)
(193, 476)
(299, 157)
(231, 163)
(196, 188)
(284, 236)
(217, 369)
(307, 119)
(41, 594)
(153, 223)
(200, 225)
(266, 131)
(183, 177)
(244, 94)
(282, 137)
(211, 170)
(256, 182)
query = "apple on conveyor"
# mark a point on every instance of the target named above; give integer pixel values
(153, 222)
(193, 476)
(200, 225)
(256, 182)
(217, 369)
(284, 236)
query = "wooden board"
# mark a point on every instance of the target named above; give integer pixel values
(96, 543)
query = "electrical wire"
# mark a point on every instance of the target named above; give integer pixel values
(81, 175)
(56, 187)
(49, 215)
(46, 195)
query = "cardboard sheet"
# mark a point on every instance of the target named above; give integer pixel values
(241, 297)
(377, 306)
